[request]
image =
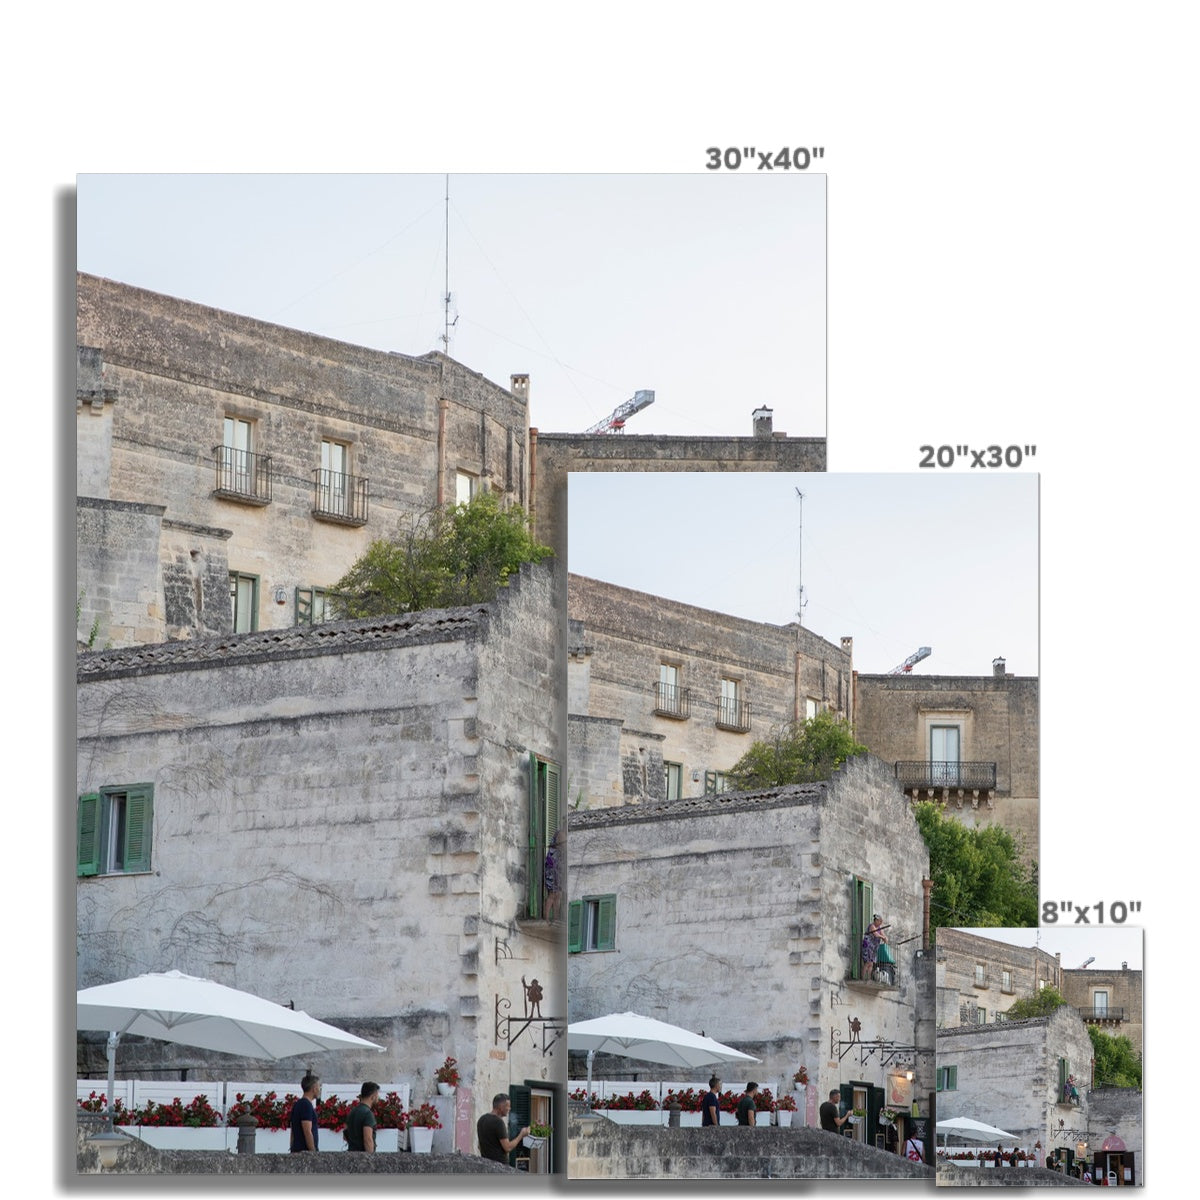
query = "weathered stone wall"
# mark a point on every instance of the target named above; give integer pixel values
(998, 716)
(120, 592)
(734, 914)
(1008, 1075)
(620, 637)
(337, 819)
(596, 776)
(959, 993)
(1119, 1111)
(600, 1149)
(174, 370)
(557, 454)
(1124, 988)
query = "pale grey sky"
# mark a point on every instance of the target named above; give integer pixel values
(707, 289)
(896, 561)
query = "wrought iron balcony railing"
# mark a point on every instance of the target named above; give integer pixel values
(338, 497)
(1107, 1013)
(242, 475)
(672, 701)
(733, 714)
(935, 774)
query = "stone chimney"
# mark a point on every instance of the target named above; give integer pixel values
(762, 422)
(519, 386)
(998, 668)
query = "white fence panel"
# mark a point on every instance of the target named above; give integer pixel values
(146, 1090)
(122, 1089)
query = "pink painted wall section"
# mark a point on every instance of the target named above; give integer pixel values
(464, 1130)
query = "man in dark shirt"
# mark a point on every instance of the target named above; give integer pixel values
(830, 1121)
(360, 1124)
(746, 1111)
(492, 1131)
(304, 1116)
(710, 1106)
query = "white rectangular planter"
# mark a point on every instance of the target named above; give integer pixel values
(634, 1116)
(182, 1137)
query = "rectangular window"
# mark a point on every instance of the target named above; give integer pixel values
(243, 598)
(113, 830)
(316, 605)
(543, 825)
(1100, 1003)
(861, 899)
(592, 924)
(810, 708)
(1006, 981)
(715, 782)
(464, 487)
(945, 753)
(334, 487)
(980, 975)
(729, 701)
(674, 774)
(980, 1016)
(237, 445)
(947, 1079)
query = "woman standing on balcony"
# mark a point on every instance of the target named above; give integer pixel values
(870, 945)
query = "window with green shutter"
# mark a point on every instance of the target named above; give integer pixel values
(592, 924)
(861, 894)
(115, 830)
(543, 824)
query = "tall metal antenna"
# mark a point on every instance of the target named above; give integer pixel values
(801, 603)
(447, 324)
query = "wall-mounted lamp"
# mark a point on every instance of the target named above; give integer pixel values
(281, 595)
(909, 1076)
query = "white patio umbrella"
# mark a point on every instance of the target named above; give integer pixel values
(634, 1036)
(977, 1131)
(199, 1012)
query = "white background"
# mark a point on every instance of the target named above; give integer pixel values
(1012, 258)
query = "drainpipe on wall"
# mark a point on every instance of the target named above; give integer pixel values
(926, 887)
(443, 404)
(796, 704)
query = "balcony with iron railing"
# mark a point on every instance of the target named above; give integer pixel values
(1104, 1013)
(339, 498)
(672, 701)
(937, 774)
(242, 475)
(733, 715)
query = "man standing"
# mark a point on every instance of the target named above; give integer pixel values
(492, 1131)
(710, 1106)
(304, 1115)
(360, 1124)
(746, 1111)
(830, 1121)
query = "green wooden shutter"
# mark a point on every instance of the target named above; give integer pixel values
(551, 801)
(139, 827)
(860, 918)
(847, 1099)
(537, 854)
(606, 923)
(574, 926)
(710, 783)
(1062, 1079)
(518, 1117)
(87, 835)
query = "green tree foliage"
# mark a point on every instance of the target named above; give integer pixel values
(1116, 1063)
(978, 876)
(461, 554)
(1040, 1004)
(798, 752)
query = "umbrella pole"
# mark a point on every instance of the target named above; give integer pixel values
(591, 1059)
(113, 1038)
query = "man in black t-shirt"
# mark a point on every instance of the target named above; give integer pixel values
(303, 1119)
(492, 1131)
(746, 1112)
(710, 1106)
(830, 1121)
(360, 1124)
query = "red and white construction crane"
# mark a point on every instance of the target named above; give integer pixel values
(911, 661)
(615, 421)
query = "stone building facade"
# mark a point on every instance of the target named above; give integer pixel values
(979, 977)
(742, 915)
(969, 742)
(274, 455)
(664, 697)
(1110, 999)
(352, 817)
(1012, 1075)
